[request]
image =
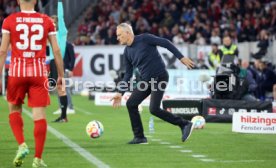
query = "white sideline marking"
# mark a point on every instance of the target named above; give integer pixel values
(186, 151)
(203, 158)
(241, 161)
(207, 160)
(198, 156)
(82, 110)
(175, 147)
(84, 153)
(156, 140)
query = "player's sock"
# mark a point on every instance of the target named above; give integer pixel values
(63, 106)
(40, 130)
(16, 124)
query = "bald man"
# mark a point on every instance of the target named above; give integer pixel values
(141, 52)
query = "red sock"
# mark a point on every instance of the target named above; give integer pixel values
(16, 123)
(40, 130)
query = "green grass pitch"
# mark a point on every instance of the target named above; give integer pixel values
(213, 147)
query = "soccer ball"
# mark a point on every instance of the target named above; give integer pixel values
(94, 129)
(199, 122)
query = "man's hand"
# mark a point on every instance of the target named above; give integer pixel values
(188, 62)
(117, 99)
(59, 81)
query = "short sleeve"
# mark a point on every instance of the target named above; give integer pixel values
(51, 27)
(6, 26)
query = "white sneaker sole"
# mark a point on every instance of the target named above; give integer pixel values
(68, 112)
(56, 112)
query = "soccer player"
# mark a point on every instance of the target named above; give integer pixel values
(141, 52)
(27, 32)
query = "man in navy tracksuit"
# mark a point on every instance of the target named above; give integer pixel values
(141, 52)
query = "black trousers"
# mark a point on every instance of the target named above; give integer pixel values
(138, 95)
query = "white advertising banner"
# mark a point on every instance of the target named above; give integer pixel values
(263, 123)
(103, 99)
(93, 64)
(97, 61)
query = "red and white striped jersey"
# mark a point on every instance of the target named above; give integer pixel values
(29, 32)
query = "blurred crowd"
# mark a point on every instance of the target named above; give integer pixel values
(10, 6)
(191, 21)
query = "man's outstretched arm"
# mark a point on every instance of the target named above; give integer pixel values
(165, 43)
(162, 42)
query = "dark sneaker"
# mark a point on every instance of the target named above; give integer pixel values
(137, 140)
(187, 131)
(60, 120)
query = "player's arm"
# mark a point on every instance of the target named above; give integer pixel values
(123, 85)
(4, 49)
(57, 55)
(165, 43)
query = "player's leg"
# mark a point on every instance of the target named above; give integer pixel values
(63, 104)
(16, 122)
(155, 101)
(137, 96)
(61, 95)
(16, 91)
(40, 130)
(70, 107)
(38, 99)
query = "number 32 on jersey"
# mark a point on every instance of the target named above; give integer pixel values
(29, 43)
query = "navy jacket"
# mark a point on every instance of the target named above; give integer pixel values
(143, 54)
